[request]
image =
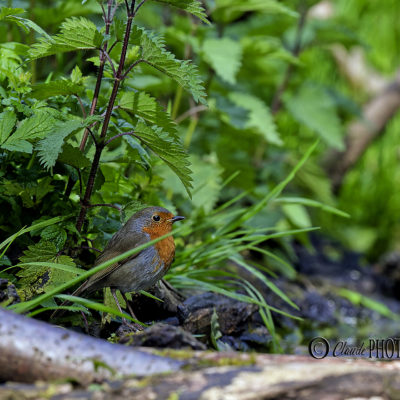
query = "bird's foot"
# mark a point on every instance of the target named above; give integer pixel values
(129, 327)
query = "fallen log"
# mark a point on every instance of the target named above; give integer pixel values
(32, 350)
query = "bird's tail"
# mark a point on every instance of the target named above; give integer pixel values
(77, 292)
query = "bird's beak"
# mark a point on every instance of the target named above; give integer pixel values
(176, 218)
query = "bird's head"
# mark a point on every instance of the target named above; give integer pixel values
(156, 221)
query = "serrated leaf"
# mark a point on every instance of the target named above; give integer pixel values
(225, 56)
(29, 129)
(76, 34)
(313, 107)
(7, 11)
(169, 149)
(260, 117)
(50, 147)
(153, 53)
(54, 234)
(7, 123)
(38, 279)
(191, 6)
(59, 87)
(27, 24)
(73, 156)
(143, 105)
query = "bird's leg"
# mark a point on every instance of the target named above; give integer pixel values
(114, 293)
(133, 326)
(136, 326)
(85, 321)
(129, 306)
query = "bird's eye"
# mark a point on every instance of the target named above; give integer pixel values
(156, 218)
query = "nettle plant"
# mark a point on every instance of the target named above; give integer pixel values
(75, 125)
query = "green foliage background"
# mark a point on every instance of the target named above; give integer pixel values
(208, 132)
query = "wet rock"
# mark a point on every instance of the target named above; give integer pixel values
(148, 309)
(318, 308)
(162, 335)
(196, 311)
(388, 268)
(257, 338)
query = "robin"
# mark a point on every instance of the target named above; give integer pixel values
(142, 270)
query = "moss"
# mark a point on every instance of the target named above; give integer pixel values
(216, 359)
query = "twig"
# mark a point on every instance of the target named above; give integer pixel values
(112, 46)
(133, 65)
(191, 112)
(277, 100)
(137, 8)
(93, 137)
(119, 135)
(80, 181)
(90, 248)
(82, 106)
(107, 118)
(110, 61)
(105, 205)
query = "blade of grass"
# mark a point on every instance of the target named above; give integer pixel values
(312, 203)
(29, 305)
(264, 280)
(98, 307)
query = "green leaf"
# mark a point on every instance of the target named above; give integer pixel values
(225, 56)
(7, 11)
(73, 156)
(169, 149)
(206, 182)
(153, 53)
(59, 87)
(191, 6)
(313, 107)
(38, 278)
(229, 10)
(31, 128)
(143, 105)
(260, 118)
(6, 243)
(7, 123)
(54, 234)
(50, 147)
(297, 214)
(76, 34)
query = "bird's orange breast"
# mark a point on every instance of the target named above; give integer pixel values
(166, 247)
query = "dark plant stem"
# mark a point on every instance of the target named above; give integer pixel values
(277, 100)
(100, 145)
(117, 136)
(108, 17)
(105, 205)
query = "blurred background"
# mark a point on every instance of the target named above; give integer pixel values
(278, 76)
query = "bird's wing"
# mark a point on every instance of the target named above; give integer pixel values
(121, 242)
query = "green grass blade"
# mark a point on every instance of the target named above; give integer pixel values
(29, 305)
(312, 203)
